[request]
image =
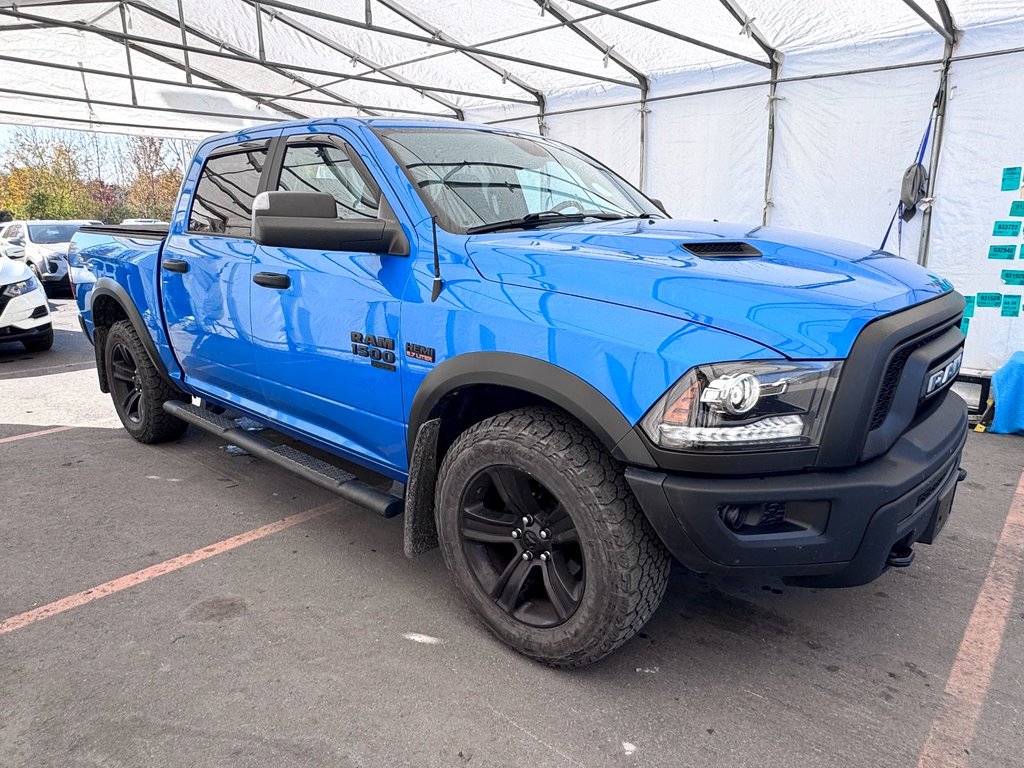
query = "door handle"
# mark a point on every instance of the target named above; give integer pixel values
(175, 265)
(272, 280)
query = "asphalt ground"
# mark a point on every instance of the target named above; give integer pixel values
(320, 644)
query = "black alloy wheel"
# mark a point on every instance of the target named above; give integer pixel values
(126, 383)
(522, 546)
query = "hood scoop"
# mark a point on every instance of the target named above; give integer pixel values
(722, 250)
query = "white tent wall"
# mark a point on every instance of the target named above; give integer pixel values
(706, 152)
(982, 137)
(843, 142)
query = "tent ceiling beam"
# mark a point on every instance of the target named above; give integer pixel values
(238, 53)
(41, 21)
(669, 32)
(262, 98)
(91, 124)
(947, 35)
(512, 36)
(747, 27)
(439, 34)
(121, 105)
(355, 56)
(443, 40)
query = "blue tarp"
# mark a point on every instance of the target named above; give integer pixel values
(1008, 389)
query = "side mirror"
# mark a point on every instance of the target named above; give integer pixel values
(310, 220)
(19, 241)
(13, 252)
(661, 205)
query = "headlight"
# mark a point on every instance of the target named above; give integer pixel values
(20, 289)
(744, 406)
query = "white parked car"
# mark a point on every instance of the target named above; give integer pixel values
(24, 310)
(42, 245)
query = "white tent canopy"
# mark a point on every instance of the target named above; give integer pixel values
(790, 112)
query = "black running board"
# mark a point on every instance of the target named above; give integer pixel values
(326, 475)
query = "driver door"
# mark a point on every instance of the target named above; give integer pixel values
(326, 324)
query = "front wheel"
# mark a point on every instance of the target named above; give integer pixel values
(137, 389)
(545, 539)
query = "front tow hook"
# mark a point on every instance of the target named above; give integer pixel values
(900, 556)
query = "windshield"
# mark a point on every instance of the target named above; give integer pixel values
(470, 178)
(50, 234)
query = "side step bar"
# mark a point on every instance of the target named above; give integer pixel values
(328, 476)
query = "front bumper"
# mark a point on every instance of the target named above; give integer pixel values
(832, 528)
(24, 317)
(53, 269)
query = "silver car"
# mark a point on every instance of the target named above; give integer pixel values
(42, 245)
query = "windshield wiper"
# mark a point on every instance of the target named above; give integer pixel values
(542, 217)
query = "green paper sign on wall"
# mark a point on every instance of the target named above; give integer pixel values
(1011, 178)
(1017, 208)
(1011, 306)
(1006, 229)
(1002, 251)
(1012, 276)
(968, 306)
(990, 299)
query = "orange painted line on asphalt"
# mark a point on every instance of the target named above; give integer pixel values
(40, 433)
(167, 566)
(967, 687)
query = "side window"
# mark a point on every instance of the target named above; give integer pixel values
(325, 168)
(222, 204)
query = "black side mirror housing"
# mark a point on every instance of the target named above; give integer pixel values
(288, 219)
(661, 205)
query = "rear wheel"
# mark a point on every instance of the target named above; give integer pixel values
(137, 389)
(545, 539)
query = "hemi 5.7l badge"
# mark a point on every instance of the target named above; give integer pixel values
(380, 349)
(419, 352)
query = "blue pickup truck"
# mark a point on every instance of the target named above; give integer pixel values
(565, 386)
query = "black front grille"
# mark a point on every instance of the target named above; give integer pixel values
(720, 249)
(893, 373)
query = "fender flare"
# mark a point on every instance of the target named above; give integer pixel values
(537, 377)
(107, 287)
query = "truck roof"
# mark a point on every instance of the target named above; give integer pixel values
(351, 122)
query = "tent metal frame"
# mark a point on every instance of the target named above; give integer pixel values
(481, 53)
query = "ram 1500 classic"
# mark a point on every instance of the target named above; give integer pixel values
(567, 386)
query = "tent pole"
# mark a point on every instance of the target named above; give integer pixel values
(128, 54)
(773, 98)
(952, 38)
(610, 54)
(747, 27)
(184, 42)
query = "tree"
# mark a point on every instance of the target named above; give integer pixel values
(67, 174)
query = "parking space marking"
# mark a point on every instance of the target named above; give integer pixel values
(40, 433)
(952, 731)
(167, 566)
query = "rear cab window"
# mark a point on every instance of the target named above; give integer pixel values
(228, 183)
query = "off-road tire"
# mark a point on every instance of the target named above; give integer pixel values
(40, 343)
(154, 425)
(626, 566)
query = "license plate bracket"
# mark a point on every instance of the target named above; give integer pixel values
(943, 508)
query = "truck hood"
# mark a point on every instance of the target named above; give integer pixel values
(805, 296)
